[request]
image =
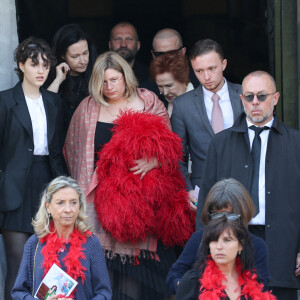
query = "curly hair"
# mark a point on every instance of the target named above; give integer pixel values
(174, 63)
(32, 48)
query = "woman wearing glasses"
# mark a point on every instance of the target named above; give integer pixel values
(224, 267)
(226, 196)
(120, 149)
(171, 74)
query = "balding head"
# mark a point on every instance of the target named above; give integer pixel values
(259, 74)
(166, 40)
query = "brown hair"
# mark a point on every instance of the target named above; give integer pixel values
(228, 193)
(174, 63)
(32, 48)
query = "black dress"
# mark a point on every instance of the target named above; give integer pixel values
(144, 278)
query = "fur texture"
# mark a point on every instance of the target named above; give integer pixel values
(129, 208)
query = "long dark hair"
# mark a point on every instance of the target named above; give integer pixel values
(212, 232)
(63, 38)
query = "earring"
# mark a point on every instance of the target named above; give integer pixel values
(239, 252)
(49, 215)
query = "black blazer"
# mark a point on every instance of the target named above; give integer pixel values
(229, 156)
(16, 143)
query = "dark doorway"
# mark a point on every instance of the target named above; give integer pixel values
(241, 27)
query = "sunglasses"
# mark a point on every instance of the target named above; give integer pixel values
(261, 97)
(229, 216)
(159, 53)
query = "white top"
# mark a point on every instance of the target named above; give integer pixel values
(224, 102)
(260, 218)
(39, 125)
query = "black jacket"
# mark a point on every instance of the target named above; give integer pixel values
(229, 156)
(16, 143)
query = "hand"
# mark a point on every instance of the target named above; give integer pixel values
(192, 200)
(297, 271)
(61, 72)
(143, 166)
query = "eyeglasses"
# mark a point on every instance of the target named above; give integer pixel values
(229, 216)
(261, 97)
(159, 53)
(112, 81)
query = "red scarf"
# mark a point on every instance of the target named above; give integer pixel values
(72, 261)
(211, 287)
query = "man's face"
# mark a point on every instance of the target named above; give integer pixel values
(209, 69)
(124, 42)
(166, 45)
(259, 112)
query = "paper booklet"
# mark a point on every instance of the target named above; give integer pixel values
(56, 282)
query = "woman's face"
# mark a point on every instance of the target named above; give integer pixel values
(113, 85)
(35, 74)
(64, 207)
(224, 251)
(169, 87)
(77, 57)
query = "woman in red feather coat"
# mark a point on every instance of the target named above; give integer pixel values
(121, 150)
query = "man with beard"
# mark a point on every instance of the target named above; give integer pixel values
(263, 154)
(124, 40)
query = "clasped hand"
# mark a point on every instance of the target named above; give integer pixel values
(143, 166)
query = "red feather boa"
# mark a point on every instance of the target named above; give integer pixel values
(54, 245)
(131, 209)
(211, 287)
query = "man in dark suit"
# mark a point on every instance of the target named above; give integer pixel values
(194, 112)
(124, 40)
(274, 188)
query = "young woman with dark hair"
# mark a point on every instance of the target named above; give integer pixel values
(31, 142)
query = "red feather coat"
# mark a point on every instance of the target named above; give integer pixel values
(131, 209)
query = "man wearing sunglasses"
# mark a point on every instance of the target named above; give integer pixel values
(169, 40)
(196, 117)
(263, 154)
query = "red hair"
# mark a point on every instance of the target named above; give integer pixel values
(174, 63)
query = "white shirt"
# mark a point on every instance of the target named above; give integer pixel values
(224, 102)
(260, 218)
(39, 125)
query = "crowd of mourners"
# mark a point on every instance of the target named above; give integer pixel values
(142, 182)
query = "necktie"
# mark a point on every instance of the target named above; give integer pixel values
(255, 154)
(217, 121)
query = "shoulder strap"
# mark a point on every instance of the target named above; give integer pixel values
(37, 245)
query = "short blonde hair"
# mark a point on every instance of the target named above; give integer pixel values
(42, 220)
(111, 60)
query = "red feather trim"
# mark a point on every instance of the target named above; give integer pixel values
(211, 287)
(54, 245)
(129, 208)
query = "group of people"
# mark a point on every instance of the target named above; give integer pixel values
(137, 149)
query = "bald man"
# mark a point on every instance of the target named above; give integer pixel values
(277, 184)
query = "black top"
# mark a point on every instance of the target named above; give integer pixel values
(189, 286)
(103, 135)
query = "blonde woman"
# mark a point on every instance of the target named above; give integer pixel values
(134, 254)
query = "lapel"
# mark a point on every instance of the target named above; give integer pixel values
(234, 99)
(21, 111)
(200, 106)
(51, 112)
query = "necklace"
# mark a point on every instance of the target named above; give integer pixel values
(121, 108)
